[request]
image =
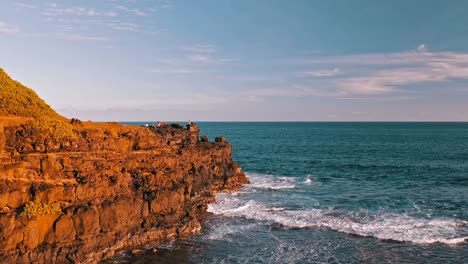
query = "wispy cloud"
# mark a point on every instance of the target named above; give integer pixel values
(124, 26)
(117, 16)
(54, 10)
(78, 37)
(423, 55)
(395, 79)
(321, 73)
(201, 58)
(422, 48)
(135, 11)
(6, 28)
(205, 53)
(199, 48)
(209, 59)
(384, 73)
(27, 6)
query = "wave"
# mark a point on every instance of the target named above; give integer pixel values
(385, 226)
(222, 230)
(308, 181)
(266, 181)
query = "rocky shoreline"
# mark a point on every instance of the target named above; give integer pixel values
(115, 186)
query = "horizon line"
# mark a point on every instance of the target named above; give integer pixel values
(283, 121)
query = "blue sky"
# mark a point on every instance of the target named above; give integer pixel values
(362, 60)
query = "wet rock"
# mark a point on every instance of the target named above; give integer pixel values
(136, 251)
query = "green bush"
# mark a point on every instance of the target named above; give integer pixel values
(36, 208)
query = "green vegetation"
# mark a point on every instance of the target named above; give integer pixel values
(19, 100)
(36, 208)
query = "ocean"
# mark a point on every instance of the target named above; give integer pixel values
(334, 192)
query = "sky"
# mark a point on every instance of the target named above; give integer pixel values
(262, 60)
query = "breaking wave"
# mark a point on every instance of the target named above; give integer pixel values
(265, 181)
(385, 226)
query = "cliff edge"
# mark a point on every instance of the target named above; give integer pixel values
(75, 192)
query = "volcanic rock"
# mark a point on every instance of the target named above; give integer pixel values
(79, 193)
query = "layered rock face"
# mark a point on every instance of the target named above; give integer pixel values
(112, 186)
(116, 186)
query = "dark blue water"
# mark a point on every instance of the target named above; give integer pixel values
(336, 193)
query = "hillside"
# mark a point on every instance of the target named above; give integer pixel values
(21, 101)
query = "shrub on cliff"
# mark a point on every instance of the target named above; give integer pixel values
(36, 208)
(19, 100)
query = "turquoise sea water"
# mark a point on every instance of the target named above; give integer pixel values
(335, 193)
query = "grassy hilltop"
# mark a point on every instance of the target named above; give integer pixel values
(21, 101)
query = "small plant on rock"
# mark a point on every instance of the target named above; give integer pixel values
(36, 208)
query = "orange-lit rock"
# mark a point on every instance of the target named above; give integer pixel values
(117, 186)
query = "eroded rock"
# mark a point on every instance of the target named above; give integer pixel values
(117, 186)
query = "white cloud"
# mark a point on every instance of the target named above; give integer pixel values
(6, 28)
(54, 10)
(120, 17)
(364, 86)
(199, 48)
(205, 53)
(124, 26)
(422, 48)
(200, 58)
(395, 58)
(208, 58)
(321, 73)
(391, 80)
(78, 37)
(384, 73)
(136, 11)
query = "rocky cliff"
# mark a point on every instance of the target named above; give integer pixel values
(78, 198)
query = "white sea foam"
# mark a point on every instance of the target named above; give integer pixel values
(221, 231)
(266, 181)
(398, 227)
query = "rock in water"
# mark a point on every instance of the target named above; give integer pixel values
(219, 139)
